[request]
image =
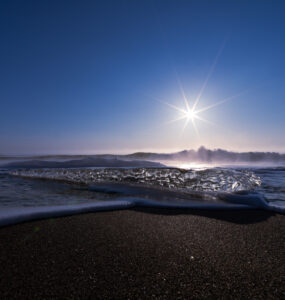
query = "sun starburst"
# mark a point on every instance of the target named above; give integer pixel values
(192, 113)
(187, 113)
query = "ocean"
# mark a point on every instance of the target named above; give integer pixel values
(50, 187)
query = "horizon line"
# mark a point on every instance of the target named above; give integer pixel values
(137, 151)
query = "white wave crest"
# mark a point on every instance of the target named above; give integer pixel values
(236, 202)
(218, 179)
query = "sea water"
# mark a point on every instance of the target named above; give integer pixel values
(33, 193)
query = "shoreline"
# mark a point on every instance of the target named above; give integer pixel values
(145, 253)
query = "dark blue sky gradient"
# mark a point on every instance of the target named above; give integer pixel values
(81, 76)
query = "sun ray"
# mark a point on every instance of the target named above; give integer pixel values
(168, 104)
(211, 106)
(183, 93)
(173, 106)
(195, 127)
(220, 102)
(204, 120)
(175, 120)
(212, 68)
(185, 124)
(180, 85)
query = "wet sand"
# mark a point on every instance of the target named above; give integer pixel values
(149, 253)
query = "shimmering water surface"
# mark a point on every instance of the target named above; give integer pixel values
(59, 185)
(227, 180)
(211, 188)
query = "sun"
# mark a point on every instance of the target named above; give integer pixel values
(190, 114)
(187, 113)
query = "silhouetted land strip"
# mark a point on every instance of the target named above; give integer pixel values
(202, 155)
(83, 163)
(152, 253)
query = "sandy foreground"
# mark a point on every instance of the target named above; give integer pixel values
(144, 254)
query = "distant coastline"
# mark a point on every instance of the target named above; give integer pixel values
(202, 155)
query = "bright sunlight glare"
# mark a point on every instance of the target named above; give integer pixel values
(190, 114)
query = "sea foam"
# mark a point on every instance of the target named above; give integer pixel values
(217, 179)
(18, 215)
(208, 189)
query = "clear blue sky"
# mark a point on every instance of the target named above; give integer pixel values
(83, 76)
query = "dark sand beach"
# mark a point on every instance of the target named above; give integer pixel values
(144, 254)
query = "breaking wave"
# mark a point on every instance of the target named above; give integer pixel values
(61, 192)
(218, 179)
